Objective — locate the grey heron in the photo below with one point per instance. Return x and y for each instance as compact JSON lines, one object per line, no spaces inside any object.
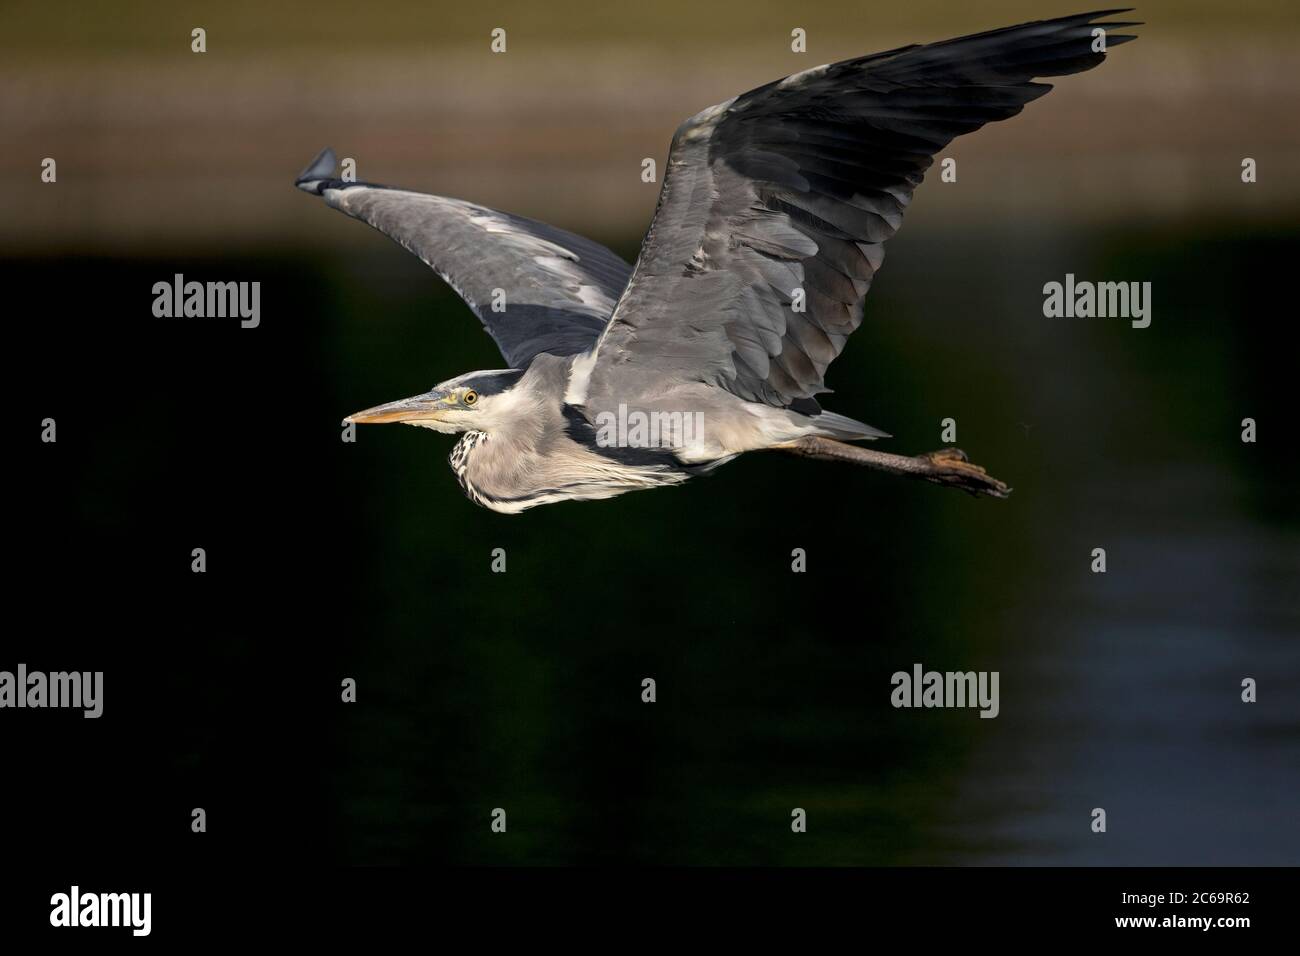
{"x":770,"y":225}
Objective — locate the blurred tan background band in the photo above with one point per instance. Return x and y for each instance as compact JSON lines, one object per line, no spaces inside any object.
{"x":157,"y":143}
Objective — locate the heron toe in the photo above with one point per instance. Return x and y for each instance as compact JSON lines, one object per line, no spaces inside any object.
{"x":952,"y":466}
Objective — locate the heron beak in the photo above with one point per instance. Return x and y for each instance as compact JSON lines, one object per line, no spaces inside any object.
{"x":418,"y":408}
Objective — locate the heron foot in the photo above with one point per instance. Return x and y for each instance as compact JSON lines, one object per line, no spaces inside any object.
{"x":953,"y":467}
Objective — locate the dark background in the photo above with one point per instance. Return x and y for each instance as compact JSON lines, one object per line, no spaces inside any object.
{"x":329,"y":560}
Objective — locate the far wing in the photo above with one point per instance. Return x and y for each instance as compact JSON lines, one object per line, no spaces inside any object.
{"x":559,"y":288}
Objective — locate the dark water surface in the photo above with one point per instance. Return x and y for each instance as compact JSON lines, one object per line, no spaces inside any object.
{"x":476,"y":690}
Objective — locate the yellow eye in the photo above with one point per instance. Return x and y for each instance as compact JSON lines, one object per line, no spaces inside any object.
{"x":470,"y":397}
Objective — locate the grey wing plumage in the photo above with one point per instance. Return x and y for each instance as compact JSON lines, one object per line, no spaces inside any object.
{"x":796,"y":186}
{"x":559,"y":288}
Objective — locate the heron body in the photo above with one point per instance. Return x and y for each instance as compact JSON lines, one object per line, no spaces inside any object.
{"x":769,"y":229}
{"x":528,"y":453}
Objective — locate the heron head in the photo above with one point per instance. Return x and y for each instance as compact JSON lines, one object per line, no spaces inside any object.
{"x":476,"y":401}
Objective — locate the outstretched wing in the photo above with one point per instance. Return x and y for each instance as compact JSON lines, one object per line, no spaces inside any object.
{"x":796,"y":186}
{"x":559,"y":288}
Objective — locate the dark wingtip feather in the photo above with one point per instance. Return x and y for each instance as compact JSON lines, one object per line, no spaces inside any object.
{"x":1112,"y":39}
{"x":322,"y":167}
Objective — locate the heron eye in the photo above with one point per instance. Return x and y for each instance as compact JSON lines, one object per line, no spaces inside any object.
{"x":470,"y":397}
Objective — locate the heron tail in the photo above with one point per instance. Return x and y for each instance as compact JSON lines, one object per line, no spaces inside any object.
{"x":845,"y":428}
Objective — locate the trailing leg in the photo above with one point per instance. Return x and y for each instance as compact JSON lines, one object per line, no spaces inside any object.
{"x":947,"y":466}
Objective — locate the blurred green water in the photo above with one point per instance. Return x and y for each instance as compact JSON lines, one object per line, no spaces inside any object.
{"x":522,"y":690}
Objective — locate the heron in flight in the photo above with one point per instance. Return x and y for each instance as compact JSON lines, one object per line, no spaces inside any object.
{"x":771,"y":223}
